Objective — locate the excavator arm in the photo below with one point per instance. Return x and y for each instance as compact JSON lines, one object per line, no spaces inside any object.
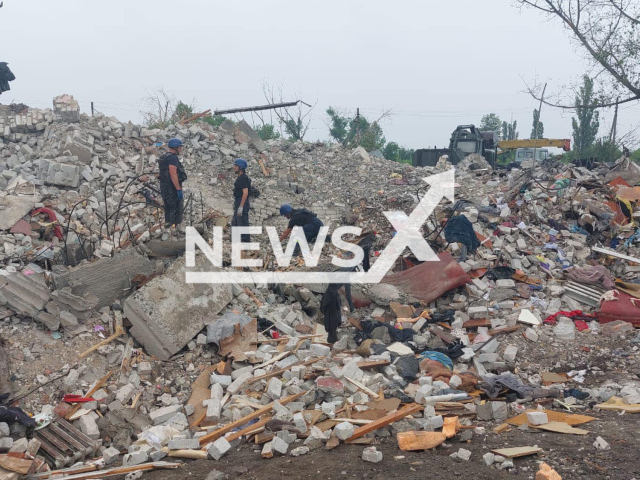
{"x":564,"y":144}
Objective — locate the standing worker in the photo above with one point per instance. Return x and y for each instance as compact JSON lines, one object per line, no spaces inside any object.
{"x":301,"y":217}
{"x":172,"y":176}
{"x":241,"y":191}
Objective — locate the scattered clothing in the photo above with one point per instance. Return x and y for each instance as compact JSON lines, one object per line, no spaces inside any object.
{"x":575,"y":314}
{"x":459,"y":229}
{"x":493,"y":385}
{"x":396,"y":334}
{"x":591,"y":276}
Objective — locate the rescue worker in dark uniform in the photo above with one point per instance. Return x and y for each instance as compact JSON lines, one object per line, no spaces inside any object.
{"x":172,"y":176}
{"x":241,"y":192}
{"x":301,"y":217}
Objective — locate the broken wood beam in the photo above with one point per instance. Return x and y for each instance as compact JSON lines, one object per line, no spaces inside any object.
{"x":216,"y":434}
{"x":384,"y":421}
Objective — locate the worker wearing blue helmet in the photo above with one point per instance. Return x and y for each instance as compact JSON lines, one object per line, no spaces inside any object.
{"x":241,"y":191}
{"x":301,"y":217}
{"x":172,"y":176}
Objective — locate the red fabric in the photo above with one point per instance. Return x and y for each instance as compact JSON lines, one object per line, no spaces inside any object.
{"x":553,"y":319}
{"x":625,"y":308}
{"x":430,"y":280}
{"x":581,"y":325}
{"x":57,"y":230}
{"x":69,"y":398}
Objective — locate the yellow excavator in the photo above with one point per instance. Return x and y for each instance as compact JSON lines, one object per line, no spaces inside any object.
{"x":525,"y":148}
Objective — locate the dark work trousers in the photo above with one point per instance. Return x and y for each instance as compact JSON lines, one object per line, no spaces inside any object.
{"x":241,"y":221}
{"x":311,"y":231}
{"x":331,"y":307}
{"x":172,"y":206}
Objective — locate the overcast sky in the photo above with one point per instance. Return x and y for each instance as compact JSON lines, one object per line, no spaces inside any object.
{"x":437,"y":64}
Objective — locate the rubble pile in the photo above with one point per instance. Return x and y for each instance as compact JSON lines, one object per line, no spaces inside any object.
{"x":527,"y":318}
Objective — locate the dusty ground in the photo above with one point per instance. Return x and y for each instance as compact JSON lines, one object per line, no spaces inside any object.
{"x":572,"y":456}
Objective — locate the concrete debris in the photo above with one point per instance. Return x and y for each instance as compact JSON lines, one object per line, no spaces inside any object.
{"x":86,"y":266}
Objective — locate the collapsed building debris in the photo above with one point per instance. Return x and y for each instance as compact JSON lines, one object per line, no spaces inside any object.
{"x":510,"y":332}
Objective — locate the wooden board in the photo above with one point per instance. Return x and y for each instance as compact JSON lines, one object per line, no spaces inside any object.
{"x":216,"y":434}
{"x":401,"y":311}
{"x":371,"y":414}
{"x":450,"y":427}
{"x":235,"y":345}
{"x":415,"y":441}
{"x":384,"y":421}
{"x":517,"y":451}
{"x":569,"y":418}
{"x":549,"y":378}
{"x":561,"y":427}
{"x":617,"y":404}
{"x":388,"y":404}
{"x":478,"y":322}
{"x":374,"y":364}
{"x":199,"y":392}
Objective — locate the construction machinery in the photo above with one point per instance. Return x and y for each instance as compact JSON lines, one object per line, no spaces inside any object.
{"x":467,"y":139}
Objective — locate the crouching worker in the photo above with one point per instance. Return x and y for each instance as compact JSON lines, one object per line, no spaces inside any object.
{"x":304,"y":218}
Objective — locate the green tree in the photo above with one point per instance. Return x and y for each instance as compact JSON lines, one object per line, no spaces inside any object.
{"x":536,"y":120}
{"x":587,"y":123}
{"x":339,"y":127}
{"x":182,"y":111}
{"x":391,"y":151}
{"x":491,"y":123}
{"x":352,"y":133}
{"x":510,"y":130}
{"x":215,"y":120}
{"x":267,"y":132}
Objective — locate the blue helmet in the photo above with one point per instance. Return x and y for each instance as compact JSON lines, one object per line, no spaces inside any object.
{"x":175,"y":143}
{"x":242,"y":163}
{"x":286,"y":209}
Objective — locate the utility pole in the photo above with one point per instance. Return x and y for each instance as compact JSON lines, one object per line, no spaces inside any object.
{"x":535,"y":127}
{"x":614,"y":126}
{"x":92,"y":109}
{"x":358,"y":126}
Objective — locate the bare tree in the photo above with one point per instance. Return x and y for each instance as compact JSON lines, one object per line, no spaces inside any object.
{"x":293,"y":120}
{"x":162,"y":109}
{"x":608,"y":32}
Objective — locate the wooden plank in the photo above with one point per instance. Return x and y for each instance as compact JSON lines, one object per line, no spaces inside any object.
{"x":93,"y":390}
{"x":119,"y":331}
{"x":374,"y":364}
{"x":613,"y":253}
{"x":216,"y":434}
{"x":249,"y":429}
{"x":561,"y":427}
{"x":384,"y":421}
{"x":503,"y":427}
{"x":478,"y":322}
{"x":496,"y":331}
{"x":517,"y":451}
{"x":332,"y":443}
{"x":363,"y":388}
{"x":389,"y":405}
{"x":199,"y":392}
{"x":617,"y":404}
{"x":280,"y":372}
{"x":415,"y":441}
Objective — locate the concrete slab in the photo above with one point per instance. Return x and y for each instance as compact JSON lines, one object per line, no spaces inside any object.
{"x":13,"y":208}
{"x":167,"y":313}
{"x":109,"y":278}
